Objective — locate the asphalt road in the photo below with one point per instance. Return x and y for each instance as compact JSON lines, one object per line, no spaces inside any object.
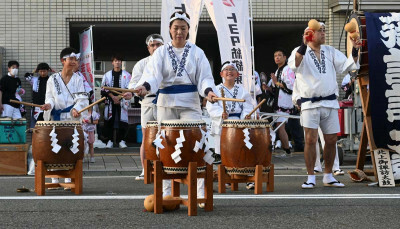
{"x":115,"y":200}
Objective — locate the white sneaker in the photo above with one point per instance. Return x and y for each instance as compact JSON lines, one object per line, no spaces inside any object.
{"x":99,"y":144}
{"x":122,"y":144}
{"x":109,"y":144}
{"x":278,"y":144}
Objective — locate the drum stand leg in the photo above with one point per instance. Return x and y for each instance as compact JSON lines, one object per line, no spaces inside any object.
{"x":39,"y":178}
{"x":270,"y":181}
{"x":258,"y":179}
{"x":221,"y":179}
{"x":148,"y":169}
{"x":209,"y":179}
{"x":158,"y":198}
{"x":192,"y":189}
{"x":77,"y":179}
{"x":190,"y":180}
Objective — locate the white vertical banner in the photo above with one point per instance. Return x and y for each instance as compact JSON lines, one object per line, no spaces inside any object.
{"x":191,"y":7}
{"x":86,"y":58}
{"x":232,"y":22}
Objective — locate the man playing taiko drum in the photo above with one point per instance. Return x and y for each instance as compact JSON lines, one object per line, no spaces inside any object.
{"x":316,"y":66}
{"x":61,"y":104}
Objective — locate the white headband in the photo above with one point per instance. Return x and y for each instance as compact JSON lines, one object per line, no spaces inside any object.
{"x":180,"y":16}
{"x":229,"y":64}
{"x":152,"y":40}
{"x":320,"y":24}
{"x":76,"y":55}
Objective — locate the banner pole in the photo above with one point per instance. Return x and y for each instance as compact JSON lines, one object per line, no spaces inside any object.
{"x":252,"y":54}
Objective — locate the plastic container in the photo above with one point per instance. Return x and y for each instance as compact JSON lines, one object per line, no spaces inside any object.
{"x":12,"y":131}
{"x":139,"y":134}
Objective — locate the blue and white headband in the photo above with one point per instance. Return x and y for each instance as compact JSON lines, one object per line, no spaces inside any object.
{"x":76,"y":55}
{"x":180,"y":16}
{"x":154,"y":39}
{"x":228,"y":63}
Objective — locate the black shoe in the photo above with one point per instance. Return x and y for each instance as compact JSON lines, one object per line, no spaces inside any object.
{"x":217,"y":159}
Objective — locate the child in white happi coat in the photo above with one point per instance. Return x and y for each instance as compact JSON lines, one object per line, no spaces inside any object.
{"x":89,"y":122}
{"x":234,"y":110}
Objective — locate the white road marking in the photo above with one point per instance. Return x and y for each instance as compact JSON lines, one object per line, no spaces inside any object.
{"x":217,"y":197}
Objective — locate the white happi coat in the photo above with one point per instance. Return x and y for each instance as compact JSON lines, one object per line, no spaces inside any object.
{"x":171,"y":66}
{"x":86,"y":84}
{"x":216,"y":109}
{"x":288,"y":77}
{"x":137,"y":73}
{"x":108,"y":81}
{"x":59,"y":97}
{"x":318,"y":78}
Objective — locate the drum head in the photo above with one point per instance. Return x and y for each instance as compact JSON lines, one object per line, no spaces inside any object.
{"x":151,"y":124}
{"x":246,"y":123}
{"x":182,"y":123}
{"x":58,"y":123}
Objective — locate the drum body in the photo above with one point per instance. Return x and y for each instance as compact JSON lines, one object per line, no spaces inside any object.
{"x":192,"y":133}
{"x":149,"y":136}
{"x":235,"y":155}
{"x":41,"y":142}
{"x":360,"y":21}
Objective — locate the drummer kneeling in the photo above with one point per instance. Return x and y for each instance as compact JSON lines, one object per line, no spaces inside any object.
{"x":232,"y":110}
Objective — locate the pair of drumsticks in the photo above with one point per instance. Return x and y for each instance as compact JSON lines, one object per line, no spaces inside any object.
{"x":238,"y":100}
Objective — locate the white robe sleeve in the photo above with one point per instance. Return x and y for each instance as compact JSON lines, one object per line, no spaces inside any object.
{"x":50,"y":92}
{"x":292,"y":61}
{"x":342,"y":63}
{"x":204,"y":75}
{"x":49,"y":98}
{"x":247,"y":105}
{"x":152,"y":73}
{"x":296,"y":94}
{"x":137,"y":73}
{"x":80,"y":103}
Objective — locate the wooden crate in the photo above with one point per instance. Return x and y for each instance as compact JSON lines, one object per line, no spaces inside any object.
{"x":13,"y":159}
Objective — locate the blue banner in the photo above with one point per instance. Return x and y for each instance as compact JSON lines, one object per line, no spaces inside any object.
{"x":383,"y":34}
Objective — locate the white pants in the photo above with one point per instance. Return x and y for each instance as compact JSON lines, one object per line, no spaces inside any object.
{"x":11,"y":112}
{"x":318,"y":166}
{"x":168,"y":113}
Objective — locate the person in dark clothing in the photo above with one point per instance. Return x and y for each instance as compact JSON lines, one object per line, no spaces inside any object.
{"x":116,"y":109}
{"x":10,"y":88}
{"x":38,"y":90}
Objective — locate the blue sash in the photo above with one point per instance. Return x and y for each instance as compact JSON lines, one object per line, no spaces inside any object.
{"x":234,"y":115}
{"x":176,"y":89}
{"x":316,"y":99}
{"x":57,"y":113}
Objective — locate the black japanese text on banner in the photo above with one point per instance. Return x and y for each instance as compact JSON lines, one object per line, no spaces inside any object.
{"x":384,"y":77}
{"x":191,"y":7}
{"x":233,"y":30}
{"x":86,"y":59}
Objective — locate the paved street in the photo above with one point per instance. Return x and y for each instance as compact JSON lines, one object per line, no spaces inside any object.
{"x":113,"y":199}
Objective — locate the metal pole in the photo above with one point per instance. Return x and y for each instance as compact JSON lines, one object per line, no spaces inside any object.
{"x":252,"y":54}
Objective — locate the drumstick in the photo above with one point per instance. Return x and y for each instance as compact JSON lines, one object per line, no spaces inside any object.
{"x":121,"y":89}
{"x":116,"y":92}
{"x":258,"y":106}
{"x":229,"y":99}
{"x":120,"y":96}
{"x":25,"y":103}
{"x":91,"y":105}
{"x":223,"y":101}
